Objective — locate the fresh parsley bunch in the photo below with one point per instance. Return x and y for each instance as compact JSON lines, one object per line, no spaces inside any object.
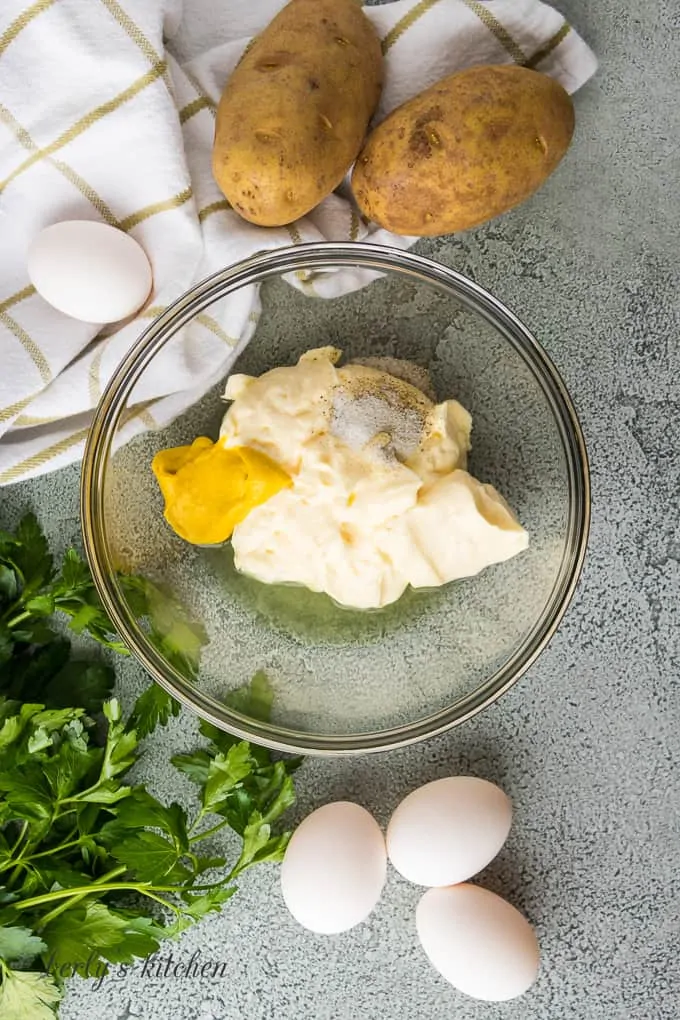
{"x":93,"y":869}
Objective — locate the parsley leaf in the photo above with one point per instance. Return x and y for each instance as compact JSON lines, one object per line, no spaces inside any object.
{"x":31,"y":554}
{"x":27,"y":793}
{"x":26,"y":995}
{"x":254,"y":699}
{"x":179,"y":638}
{"x":76,"y":840}
{"x":82,"y":683}
{"x":224,"y":773}
{"x":143,"y":936}
{"x":6,"y":645}
{"x":80,"y":935}
{"x":195,"y":765}
{"x":152,"y":707}
{"x":29,"y":672}
{"x":73,"y":592}
{"x":19,"y":944}
{"x":148,"y":856}
{"x":140,"y":809}
{"x":9,"y":583}
{"x":69,"y":766}
{"x":198,"y":906}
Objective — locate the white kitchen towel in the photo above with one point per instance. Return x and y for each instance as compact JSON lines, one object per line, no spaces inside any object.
{"x":107,"y":112}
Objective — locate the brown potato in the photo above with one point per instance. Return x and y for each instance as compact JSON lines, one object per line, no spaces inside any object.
{"x":294,"y":113}
{"x":468,"y":148}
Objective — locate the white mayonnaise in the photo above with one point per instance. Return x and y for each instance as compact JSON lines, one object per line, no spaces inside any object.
{"x":380,"y":497}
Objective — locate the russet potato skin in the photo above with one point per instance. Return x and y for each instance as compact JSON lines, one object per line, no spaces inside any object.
{"x":294,"y":113}
{"x":470,"y":147}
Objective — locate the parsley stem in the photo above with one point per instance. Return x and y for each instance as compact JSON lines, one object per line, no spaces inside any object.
{"x":208,"y":832}
{"x":159,"y":899}
{"x":52,"y":851}
{"x":12,"y":862}
{"x":212,"y":885}
{"x":76,"y":899}
{"x":19,"y":619}
{"x":77,"y":798}
{"x":197,"y":820}
{"x":97,"y":888}
{"x":13,"y":850}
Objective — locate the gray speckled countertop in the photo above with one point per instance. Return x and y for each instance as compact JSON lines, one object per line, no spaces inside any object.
{"x":588,"y":743}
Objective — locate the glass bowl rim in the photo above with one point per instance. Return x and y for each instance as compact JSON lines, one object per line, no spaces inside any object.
{"x":256,"y":269}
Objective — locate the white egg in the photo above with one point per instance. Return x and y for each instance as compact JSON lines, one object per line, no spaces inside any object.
{"x":334,"y":868}
{"x":89,"y":270}
{"x":448,"y":830}
{"x":479,"y":942}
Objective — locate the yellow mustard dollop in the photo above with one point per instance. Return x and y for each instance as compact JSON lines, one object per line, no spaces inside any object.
{"x":210,"y":488}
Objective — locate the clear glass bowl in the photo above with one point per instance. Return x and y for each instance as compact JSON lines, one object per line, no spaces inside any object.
{"x":344,"y":681}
